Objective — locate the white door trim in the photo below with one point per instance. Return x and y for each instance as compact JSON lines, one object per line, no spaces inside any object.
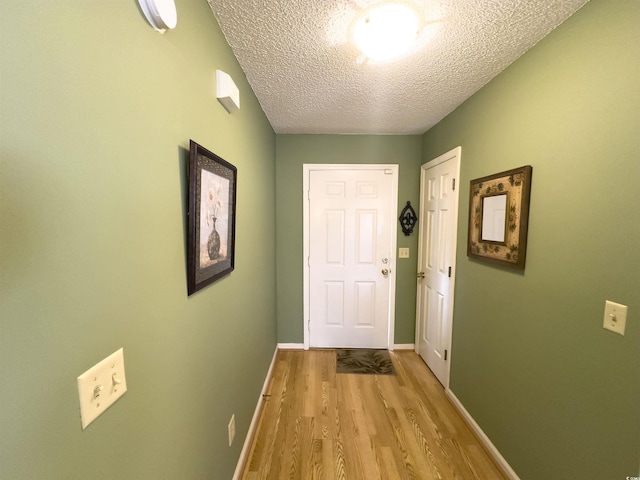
{"x":306,"y":169}
{"x":451,"y":154}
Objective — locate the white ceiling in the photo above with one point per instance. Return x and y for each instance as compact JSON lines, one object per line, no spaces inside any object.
{"x":309,"y":78}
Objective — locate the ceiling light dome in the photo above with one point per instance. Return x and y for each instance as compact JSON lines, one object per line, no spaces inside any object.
{"x":386,"y":32}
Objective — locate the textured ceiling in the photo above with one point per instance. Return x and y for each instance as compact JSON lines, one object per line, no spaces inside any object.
{"x":309,"y":78}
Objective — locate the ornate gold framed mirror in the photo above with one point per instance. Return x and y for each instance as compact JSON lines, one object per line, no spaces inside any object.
{"x":499,"y":217}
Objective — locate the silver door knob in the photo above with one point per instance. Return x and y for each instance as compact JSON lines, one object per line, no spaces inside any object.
{"x":385,"y":272}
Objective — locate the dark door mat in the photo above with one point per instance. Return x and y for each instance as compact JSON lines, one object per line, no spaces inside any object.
{"x":367,"y":361}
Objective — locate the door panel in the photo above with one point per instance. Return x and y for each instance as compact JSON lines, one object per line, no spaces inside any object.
{"x":365,"y":298}
{"x":365,"y":236}
{"x":335,"y":237}
{"x":334,"y":299}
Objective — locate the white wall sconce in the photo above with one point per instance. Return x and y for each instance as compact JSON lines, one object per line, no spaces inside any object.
{"x":227,"y":92}
{"x":161,"y":14}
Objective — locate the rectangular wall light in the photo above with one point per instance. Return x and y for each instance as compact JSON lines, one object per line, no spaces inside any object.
{"x":227,"y":92}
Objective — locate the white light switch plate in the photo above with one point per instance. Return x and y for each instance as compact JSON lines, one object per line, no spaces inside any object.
{"x":615,"y":317}
{"x":100,"y":386}
{"x":232,"y":429}
{"x":403,"y":253}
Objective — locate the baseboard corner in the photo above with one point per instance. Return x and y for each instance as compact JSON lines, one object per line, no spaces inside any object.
{"x":291,"y":346}
{"x":484,"y":439}
{"x":248,"y":440}
{"x":403,"y":346}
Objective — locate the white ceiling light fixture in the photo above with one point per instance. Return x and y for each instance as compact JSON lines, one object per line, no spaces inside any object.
{"x":386,"y":32}
{"x":161,"y":14}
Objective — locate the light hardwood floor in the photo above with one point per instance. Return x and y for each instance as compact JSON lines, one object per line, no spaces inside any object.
{"x":317,"y":424}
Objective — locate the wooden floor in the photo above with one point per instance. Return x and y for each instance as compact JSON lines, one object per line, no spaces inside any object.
{"x":317,"y":424}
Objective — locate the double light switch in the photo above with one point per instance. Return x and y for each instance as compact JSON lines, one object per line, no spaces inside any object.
{"x":100,"y":386}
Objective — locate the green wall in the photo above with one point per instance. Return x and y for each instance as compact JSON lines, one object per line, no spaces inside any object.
{"x":96,"y":114}
{"x":292,"y":151}
{"x":556,"y":393}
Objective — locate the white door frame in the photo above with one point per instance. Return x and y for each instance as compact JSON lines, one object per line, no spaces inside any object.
{"x":306,"y":169}
{"x":451,"y":154}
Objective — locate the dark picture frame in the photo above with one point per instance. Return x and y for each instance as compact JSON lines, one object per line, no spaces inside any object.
{"x":212,"y":218}
{"x":499,"y":217}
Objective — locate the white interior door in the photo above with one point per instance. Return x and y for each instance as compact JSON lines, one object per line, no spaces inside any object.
{"x":351,"y":244}
{"x":436,"y":261}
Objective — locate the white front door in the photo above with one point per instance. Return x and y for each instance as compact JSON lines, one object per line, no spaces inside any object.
{"x":436,"y":261}
{"x":350,"y":255}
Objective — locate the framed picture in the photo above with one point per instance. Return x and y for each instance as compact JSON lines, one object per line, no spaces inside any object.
{"x":499,"y":217}
{"x":212,"y":218}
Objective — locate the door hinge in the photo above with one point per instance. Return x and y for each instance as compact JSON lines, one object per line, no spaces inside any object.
{"x":445,"y":355}
{"x":309,"y":262}
{"x":449,"y":272}
{"x":453,"y":186}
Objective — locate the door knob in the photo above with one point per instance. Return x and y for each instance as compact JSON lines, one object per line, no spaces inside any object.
{"x":420,"y":274}
{"x":385,"y":272}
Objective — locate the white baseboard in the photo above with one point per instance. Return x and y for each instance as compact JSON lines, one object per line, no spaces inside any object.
{"x":300,"y":346}
{"x":404,"y":346}
{"x":491,"y":448}
{"x":291,"y":346}
{"x":246,"y":447}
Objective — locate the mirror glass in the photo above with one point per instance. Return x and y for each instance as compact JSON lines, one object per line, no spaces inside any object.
{"x":494,"y":211}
